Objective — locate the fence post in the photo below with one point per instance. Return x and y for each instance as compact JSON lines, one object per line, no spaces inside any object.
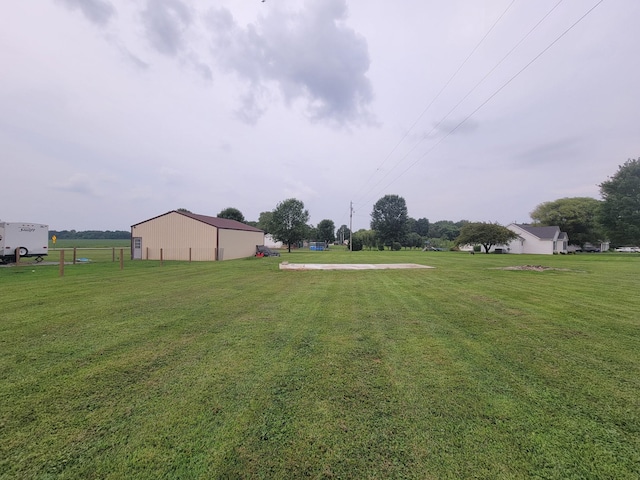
{"x":113,"y":254}
{"x":74,"y":255}
{"x":61,"y":269}
{"x":161,"y":258}
{"x":147,"y":253}
{"x":189,"y":254}
{"x":17,"y":256}
{"x":121,"y":258}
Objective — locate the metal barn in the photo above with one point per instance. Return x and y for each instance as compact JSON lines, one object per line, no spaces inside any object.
{"x":186,"y":236}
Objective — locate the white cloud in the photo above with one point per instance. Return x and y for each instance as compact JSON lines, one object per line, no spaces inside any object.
{"x":310,"y":55}
{"x":99,"y":12}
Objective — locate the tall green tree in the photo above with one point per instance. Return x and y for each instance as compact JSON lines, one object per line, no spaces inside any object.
{"x":343,"y":234}
{"x":389,"y":219}
{"x":620,"y":213}
{"x":578,"y":216}
{"x":326,"y":231}
{"x":264,"y":221}
{"x":485,"y":234}
{"x":422,"y":227}
{"x":231,"y":214}
{"x":289,"y":222}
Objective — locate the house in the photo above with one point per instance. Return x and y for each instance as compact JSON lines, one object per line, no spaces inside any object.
{"x":540,"y":240}
{"x":186,"y":236}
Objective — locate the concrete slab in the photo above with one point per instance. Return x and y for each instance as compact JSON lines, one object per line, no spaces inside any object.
{"x":349,"y":266}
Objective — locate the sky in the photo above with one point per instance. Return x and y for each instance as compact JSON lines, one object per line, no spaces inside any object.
{"x":116,"y":111}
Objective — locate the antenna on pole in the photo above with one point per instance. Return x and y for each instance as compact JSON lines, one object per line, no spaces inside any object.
{"x":350,"y":226}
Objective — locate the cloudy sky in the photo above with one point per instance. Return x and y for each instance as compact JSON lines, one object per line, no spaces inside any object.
{"x":115,"y":111}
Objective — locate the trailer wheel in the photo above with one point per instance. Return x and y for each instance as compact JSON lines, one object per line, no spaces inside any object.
{"x":23,"y":251}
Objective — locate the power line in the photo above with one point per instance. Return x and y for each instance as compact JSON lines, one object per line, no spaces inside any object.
{"x":504,"y":85}
{"x":480,"y":42}
{"x":435,"y":127}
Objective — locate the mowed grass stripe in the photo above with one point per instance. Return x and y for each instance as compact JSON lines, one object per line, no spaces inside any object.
{"x":238,"y":370}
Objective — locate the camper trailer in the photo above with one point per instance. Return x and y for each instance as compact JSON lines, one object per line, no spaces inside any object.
{"x":24,"y":239}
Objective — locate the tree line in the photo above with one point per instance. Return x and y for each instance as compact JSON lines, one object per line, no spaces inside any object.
{"x":90,"y":234}
{"x":615,"y":218}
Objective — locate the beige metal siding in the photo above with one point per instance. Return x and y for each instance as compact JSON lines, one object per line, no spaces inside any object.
{"x":239,"y":243}
{"x":176,"y":234}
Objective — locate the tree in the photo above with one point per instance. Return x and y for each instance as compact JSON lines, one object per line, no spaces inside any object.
{"x":422,"y":227}
{"x":413,"y":240}
{"x":264,"y":221}
{"x":357,"y":244}
{"x":312,"y":233}
{"x":620,"y":213}
{"x":444,"y":229}
{"x":183,"y":210}
{"x":326,"y":231}
{"x":412,"y":224}
{"x":232,"y":214}
{"x":343,"y":234}
{"x":485,"y":234}
{"x":368,"y":237}
{"x":289,"y":222}
{"x":389,"y":219}
{"x":578,"y":216}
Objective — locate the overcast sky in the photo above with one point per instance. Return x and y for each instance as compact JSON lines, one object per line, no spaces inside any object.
{"x":116,"y":111}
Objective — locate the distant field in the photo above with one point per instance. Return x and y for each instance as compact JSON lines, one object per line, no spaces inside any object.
{"x":89,"y":243}
{"x":239,"y":370}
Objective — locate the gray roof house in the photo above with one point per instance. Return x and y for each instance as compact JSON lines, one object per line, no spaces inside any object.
{"x":538,"y":240}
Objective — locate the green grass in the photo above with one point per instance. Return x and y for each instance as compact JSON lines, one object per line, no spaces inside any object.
{"x":239,"y":370}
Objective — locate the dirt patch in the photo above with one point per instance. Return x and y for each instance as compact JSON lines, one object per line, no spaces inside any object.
{"x":348,"y":266}
{"x":535,"y":268}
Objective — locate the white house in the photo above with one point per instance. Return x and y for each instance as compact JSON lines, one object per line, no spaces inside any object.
{"x":540,"y":240}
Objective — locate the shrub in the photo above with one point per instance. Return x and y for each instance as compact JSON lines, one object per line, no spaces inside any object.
{"x":356,"y":244}
{"x":395,"y":246}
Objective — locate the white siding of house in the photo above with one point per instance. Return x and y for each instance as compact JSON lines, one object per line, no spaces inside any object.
{"x":529,"y":243}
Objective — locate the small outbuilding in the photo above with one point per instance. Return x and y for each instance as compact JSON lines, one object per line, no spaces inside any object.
{"x":178,"y":235}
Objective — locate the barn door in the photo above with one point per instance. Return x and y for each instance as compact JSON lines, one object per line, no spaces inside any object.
{"x":137,"y":248}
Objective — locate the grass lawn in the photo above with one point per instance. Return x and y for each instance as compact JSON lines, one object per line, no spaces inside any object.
{"x":85,"y":243}
{"x":239,"y":370}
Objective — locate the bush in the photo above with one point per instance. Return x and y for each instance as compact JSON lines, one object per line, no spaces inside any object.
{"x":395,"y":246}
{"x":381,"y":246}
{"x":356,"y":244}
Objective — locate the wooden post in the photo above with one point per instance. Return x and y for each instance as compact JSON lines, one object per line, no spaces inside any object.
{"x":161,"y":258}
{"x":121,"y":258}
{"x":147,"y":253}
{"x":189,"y":254}
{"x":113,"y":254}
{"x":17,"y":256}
{"x":74,"y":255}
{"x":61,"y":271}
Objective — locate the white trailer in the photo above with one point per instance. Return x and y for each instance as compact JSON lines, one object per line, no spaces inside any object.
{"x":24,"y":239}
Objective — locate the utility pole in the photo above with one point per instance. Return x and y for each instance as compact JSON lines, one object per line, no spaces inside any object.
{"x":351,"y":226}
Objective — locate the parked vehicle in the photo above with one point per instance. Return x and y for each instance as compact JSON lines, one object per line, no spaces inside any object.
{"x":24,"y":239}
{"x":628,"y":249}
